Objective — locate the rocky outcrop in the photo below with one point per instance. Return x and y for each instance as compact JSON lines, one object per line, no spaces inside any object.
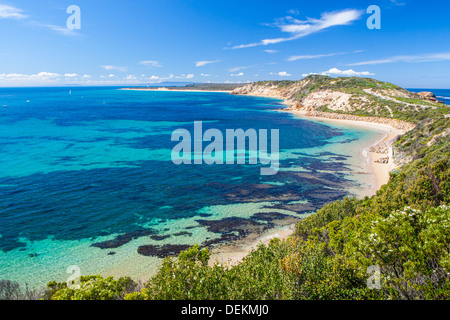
{"x":383,"y":160}
{"x":429,"y":96}
{"x":382,"y":148}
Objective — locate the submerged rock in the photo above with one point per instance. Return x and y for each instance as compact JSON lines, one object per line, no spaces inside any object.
{"x":234,"y":224}
{"x":183,"y":233}
{"x":164,"y":251}
{"x":123,"y":239}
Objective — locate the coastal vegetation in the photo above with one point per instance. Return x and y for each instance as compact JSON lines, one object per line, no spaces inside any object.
{"x":393,"y":245}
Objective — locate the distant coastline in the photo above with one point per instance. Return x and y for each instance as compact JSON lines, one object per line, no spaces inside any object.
{"x":196,"y":87}
{"x":174,"y":89}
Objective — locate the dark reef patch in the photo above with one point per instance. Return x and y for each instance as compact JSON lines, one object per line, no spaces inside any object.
{"x":269,"y":216}
{"x":329,"y":166}
{"x":183,"y":233}
{"x":224,"y":238}
{"x":123,"y":239}
{"x":275,"y":219}
{"x":299,"y":208}
{"x":168,"y":250}
{"x":234,"y":224}
{"x":159,"y":238}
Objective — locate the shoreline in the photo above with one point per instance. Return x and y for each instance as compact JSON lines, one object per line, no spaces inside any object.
{"x":234,"y":253}
{"x":174,"y":90}
{"x":379,"y":170}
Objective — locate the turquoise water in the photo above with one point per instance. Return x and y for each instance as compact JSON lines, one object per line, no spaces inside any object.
{"x":87,"y":179}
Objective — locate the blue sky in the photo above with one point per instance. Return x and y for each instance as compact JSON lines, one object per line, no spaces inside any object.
{"x":150,"y":41}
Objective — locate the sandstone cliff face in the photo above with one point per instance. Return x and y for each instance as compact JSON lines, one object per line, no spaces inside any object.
{"x":342,"y":98}
{"x":333,"y":100}
{"x":337,"y":95}
{"x":275,"y":90}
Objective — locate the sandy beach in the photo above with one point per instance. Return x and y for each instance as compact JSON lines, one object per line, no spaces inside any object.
{"x":379,"y":170}
{"x":232,"y":254}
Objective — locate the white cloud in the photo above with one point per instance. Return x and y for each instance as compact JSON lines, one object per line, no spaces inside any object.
{"x":151,"y":63}
{"x":418,"y":58}
{"x":398,"y":3}
{"x":160,"y":79}
{"x":62,"y":30}
{"x":184,"y":76}
{"x":51,"y":79}
{"x":240,"y":74}
{"x":8,"y":12}
{"x":284,"y":74}
{"x":204,"y":75}
{"x":236,"y":82}
{"x":11,"y":79}
{"x":335,"y":71}
{"x":294,"y":11}
{"x":270,"y":51}
{"x":317,"y":56}
{"x":299,"y":29}
{"x":40,"y":75}
{"x":122,"y":69}
{"x":204,"y":63}
{"x":235,"y":69}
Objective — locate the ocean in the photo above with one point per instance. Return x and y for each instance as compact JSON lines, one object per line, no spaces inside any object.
{"x":87,"y":180}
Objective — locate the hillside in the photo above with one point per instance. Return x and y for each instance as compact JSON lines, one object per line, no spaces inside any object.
{"x":363,"y":99}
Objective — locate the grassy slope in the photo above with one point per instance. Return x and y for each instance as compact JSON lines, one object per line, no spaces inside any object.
{"x":363,"y":103}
